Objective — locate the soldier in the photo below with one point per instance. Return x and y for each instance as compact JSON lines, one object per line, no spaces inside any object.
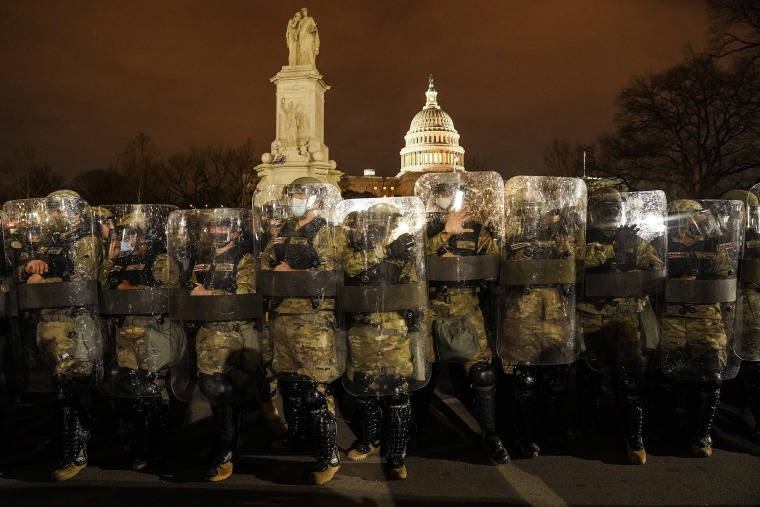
{"x":621,"y":268}
{"x":749,"y":275}
{"x":136,"y":267}
{"x":700,"y":293}
{"x":545,"y":226}
{"x":60,"y":319}
{"x":11,"y":382}
{"x":299,"y":269}
{"x":462,"y":254}
{"x":219,"y":314}
{"x":385,"y":324}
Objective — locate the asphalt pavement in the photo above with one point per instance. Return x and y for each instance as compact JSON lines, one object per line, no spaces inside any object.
{"x":447,"y":466}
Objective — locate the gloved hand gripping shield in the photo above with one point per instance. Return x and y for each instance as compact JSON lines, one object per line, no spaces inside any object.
{"x":214,"y":304}
{"x":11,"y":359}
{"x":56,"y":270}
{"x":465,"y":226}
{"x":624,"y":277}
{"x":700,"y":324}
{"x":748,"y":348}
{"x":383,"y":295}
{"x":300,"y":269}
{"x":545,"y":222}
{"x":134,"y":298}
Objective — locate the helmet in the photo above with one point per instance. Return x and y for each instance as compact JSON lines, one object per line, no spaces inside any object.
{"x":606,"y":208}
{"x":684,"y":216}
{"x":683,"y":206}
{"x":223,"y":225}
{"x":744,"y":196}
{"x":63,"y":194}
{"x":306,"y":186}
{"x":101,"y":214}
{"x":305,"y":180}
{"x":70,"y":206}
{"x":383,"y":211}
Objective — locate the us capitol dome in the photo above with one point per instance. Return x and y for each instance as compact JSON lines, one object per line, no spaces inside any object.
{"x":432,"y":142}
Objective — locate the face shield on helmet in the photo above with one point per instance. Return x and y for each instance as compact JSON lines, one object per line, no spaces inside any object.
{"x":300,"y":199}
{"x":687,"y":220}
{"x":449,"y":197}
{"x":606,"y":209}
{"x":131,"y":233}
{"x":223,"y":232}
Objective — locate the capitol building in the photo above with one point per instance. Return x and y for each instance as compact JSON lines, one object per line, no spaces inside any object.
{"x":432,"y":145}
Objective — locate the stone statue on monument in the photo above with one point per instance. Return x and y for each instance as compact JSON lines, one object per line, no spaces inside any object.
{"x":302,"y":39}
{"x":292,"y":114}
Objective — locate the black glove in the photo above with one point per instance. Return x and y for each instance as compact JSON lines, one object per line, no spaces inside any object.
{"x":626,"y":239}
{"x":401,"y":247}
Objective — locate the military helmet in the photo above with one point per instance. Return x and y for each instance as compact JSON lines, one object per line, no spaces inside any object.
{"x":605,"y":194}
{"x":683,"y":206}
{"x":383,"y":211}
{"x":305,"y":180}
{"x":63,"y":194}
{"x":745,"y":196}
{"x":101,"y":213}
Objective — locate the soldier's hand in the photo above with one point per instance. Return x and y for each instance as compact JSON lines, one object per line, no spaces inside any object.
{"x":455,"y":221}
{"x":401,"y":247}
{"x":199,"y":290}
{"x":125,"y":285}
{"x":283,"y":266}
{"x":36,"y":267}
{"x":35,"y":279}
{"x":626,"y":238}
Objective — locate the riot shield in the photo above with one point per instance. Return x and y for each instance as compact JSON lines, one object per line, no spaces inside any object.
{"x":465,"y":222}
{"x":11,"y":372}
{"x":700,"y":322}
{"x":300,"y":270}
{"x":214,"y":304}
{"x":545,"y":222}
{"x":748,"y":348}
{"x":624,"y":277}
{"x":383,"y":295}
{"x":133,"y":297}
{"x":56,"y":270}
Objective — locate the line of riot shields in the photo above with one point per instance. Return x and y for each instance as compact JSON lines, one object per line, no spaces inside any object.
{"x":307,"y":286}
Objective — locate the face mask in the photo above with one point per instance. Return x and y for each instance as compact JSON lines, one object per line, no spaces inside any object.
{"x":126,"y":247}
{"x":298,"y":207}
{"x":220,"y":240}
{"x":443,"y":202}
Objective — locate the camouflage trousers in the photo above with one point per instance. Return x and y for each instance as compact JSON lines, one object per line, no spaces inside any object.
{"x":229,"y":348}
{"x":613,"y":338}
{"x":456,"y":308}
{"x":698,"y":340}
{"x":379,"y":349}
{"x":69,"y":345}
{"x":304,"y":345}
{"x":143,"y":343}
{"x":538,"y":328}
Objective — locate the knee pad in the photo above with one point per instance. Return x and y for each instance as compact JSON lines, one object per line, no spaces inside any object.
{"x":399,"y":399}
{"x":482,"y":375}
{"x":215,"y":387}
{"x":290,"y":389}
{"x":556,"y":377}
{"x":525,"y":378}
{"x":315,"y":399}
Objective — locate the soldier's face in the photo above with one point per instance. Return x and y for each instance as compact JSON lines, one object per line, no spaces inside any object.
{"x":222,"y":235}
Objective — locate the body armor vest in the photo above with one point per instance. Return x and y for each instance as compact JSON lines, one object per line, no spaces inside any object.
{"x":621,"y":261}
{"x":297,"y":250}
{"x":136,"y":269}
{"x":695,"y":260}
{"x":219,"y":272}
{"x":56,"y":255}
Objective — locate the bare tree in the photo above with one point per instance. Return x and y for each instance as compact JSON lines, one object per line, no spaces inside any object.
{"x":26,"y":176}
{"x":690,"y":129}
{"x":562,"y":160}
{"x":101,"y":186}
{"x":138,"y":163}
{"x":734,"y":28}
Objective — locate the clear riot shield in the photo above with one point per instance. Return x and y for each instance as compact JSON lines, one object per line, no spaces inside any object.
{"x":545,"y":222}
{"x":56,"y":270}
{"x":133,"y":298}
{"x":214,"y":304}
{"x":383,"y":295}
{"x":465,"y":225}
{"x":748,"y":348}
{"x":300,"y":270}
{"x":700,"y":321}
{"x":11,"y":372}
{"x":624,"y":277}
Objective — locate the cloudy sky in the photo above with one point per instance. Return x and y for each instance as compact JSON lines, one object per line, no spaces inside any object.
{"x":79,"y":79}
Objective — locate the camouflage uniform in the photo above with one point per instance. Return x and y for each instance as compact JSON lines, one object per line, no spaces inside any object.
{"x":224,"y":348}
{"x":67,"y":339}
{"x":694,"y":336}
{"x":303,"y":334}
{"x":10,"y":353}
{"x":612,"y":326}
{"x":142,"y":347}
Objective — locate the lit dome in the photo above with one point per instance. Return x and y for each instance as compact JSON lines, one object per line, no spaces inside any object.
{"x":432,"y":142}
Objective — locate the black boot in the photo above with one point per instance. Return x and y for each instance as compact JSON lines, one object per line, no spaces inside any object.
{"x":588,"y":387}
{"x":324,"y":432}
{"x":524,"y":397}
{"x":72,"y":436}
{"x":420,"y":400}
{"x":369,"y":416}
{"x":151,"y":426}
{"x":707,"y":400}
{"x":632,"y":400}
{"x":296,"y":417}
{"x":399,"y":418}
{"x":483,"y":379}
{"x":753,"y":396}
{"x":553,"y":395}
{"x":227,"y":418}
